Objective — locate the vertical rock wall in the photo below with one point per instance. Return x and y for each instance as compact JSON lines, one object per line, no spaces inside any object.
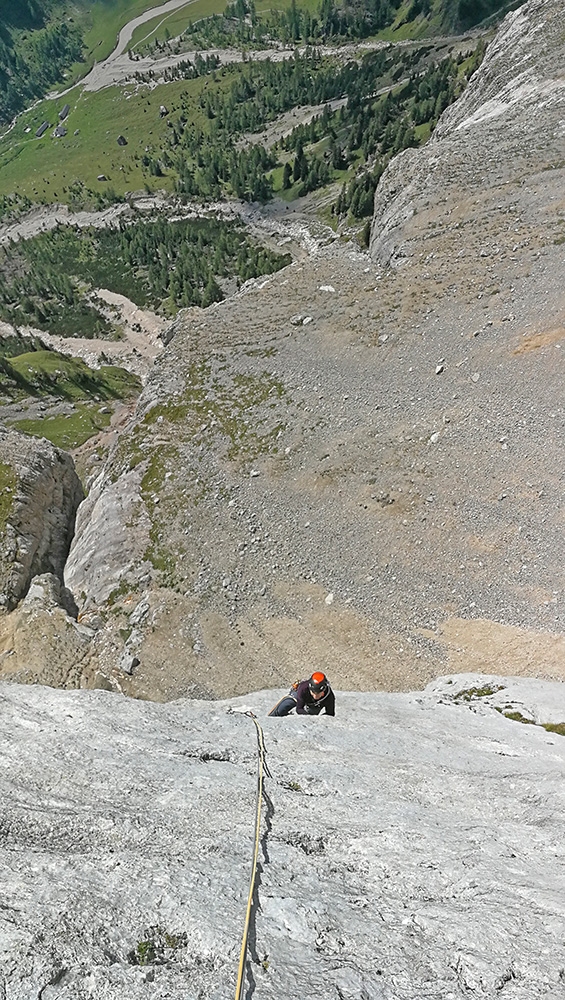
{"x":41,"y":494}
{"x":506,"y":126}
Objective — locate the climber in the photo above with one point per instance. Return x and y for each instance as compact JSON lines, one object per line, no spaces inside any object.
{"x":308,"y":697}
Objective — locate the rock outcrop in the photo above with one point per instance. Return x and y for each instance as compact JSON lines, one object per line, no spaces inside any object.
{"x":42,"y":643}
{"x":41,"y":493}
{"x":105,"y":550}
{"x":411,"y":847}
{"x":490,"y":148}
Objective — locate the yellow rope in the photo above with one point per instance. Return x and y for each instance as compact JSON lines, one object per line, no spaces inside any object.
{"x":261,"y":770}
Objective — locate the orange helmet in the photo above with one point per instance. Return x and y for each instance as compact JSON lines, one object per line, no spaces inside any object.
{"x":318,"y":682}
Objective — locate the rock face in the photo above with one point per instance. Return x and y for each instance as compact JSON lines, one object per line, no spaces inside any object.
{"x":104,"y":548}
{"x":411,"y":847}
{"x":42,"y":493}
{"x":493,"y":144}
{"x":42,"y":643}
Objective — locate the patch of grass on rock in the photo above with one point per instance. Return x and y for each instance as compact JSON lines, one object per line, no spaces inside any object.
{"x":554,"y":727}
{"x":483,"y":692}
{"x":518,"y":717}
{"x":67,"y":431}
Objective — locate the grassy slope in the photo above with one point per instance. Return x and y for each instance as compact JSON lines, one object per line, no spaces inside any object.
{"x":71,"y":378}
{"x":99,"y":20}
{"x":41,"y":168}
{"x":446,"y":17}
{"x":70,"y":430}
{"x":67,"y":431}
{"x":102,"y":22}
{"x":50,"y":375}
{"x":104,"y":19}
{"x":99,"y":23}
{"x":159,"y":29}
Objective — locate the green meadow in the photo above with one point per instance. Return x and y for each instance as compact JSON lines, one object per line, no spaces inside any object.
{"x":43,"y":373}
{"x":43,"y":169}
{"x":67,"y":431}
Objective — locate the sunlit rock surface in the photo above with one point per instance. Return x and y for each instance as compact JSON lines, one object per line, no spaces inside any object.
{"x":40,"y":495}
{"x":491,"y":149}
{"x":412,"y":847}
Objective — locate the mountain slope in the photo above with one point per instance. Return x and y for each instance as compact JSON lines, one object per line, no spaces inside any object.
{"x":460,"y":15}
{"x":493,"y":162}
{"x":34,"y":52}
{"x":376,"y":491}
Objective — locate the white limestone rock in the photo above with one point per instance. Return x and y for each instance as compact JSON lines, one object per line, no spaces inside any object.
{"x":411,"y":847}
{"x":513,"y":105}
{"x":112,"y":534}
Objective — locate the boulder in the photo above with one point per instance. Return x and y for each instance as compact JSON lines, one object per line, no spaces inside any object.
{"x":41,"y":642}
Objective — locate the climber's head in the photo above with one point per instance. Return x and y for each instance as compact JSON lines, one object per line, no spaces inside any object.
{"x":318,"y":685}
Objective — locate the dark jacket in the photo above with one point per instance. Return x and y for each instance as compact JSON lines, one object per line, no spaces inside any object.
{"x":307,"y":705}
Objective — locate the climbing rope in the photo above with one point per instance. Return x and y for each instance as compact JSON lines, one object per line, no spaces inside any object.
{"x":262,"y":771}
